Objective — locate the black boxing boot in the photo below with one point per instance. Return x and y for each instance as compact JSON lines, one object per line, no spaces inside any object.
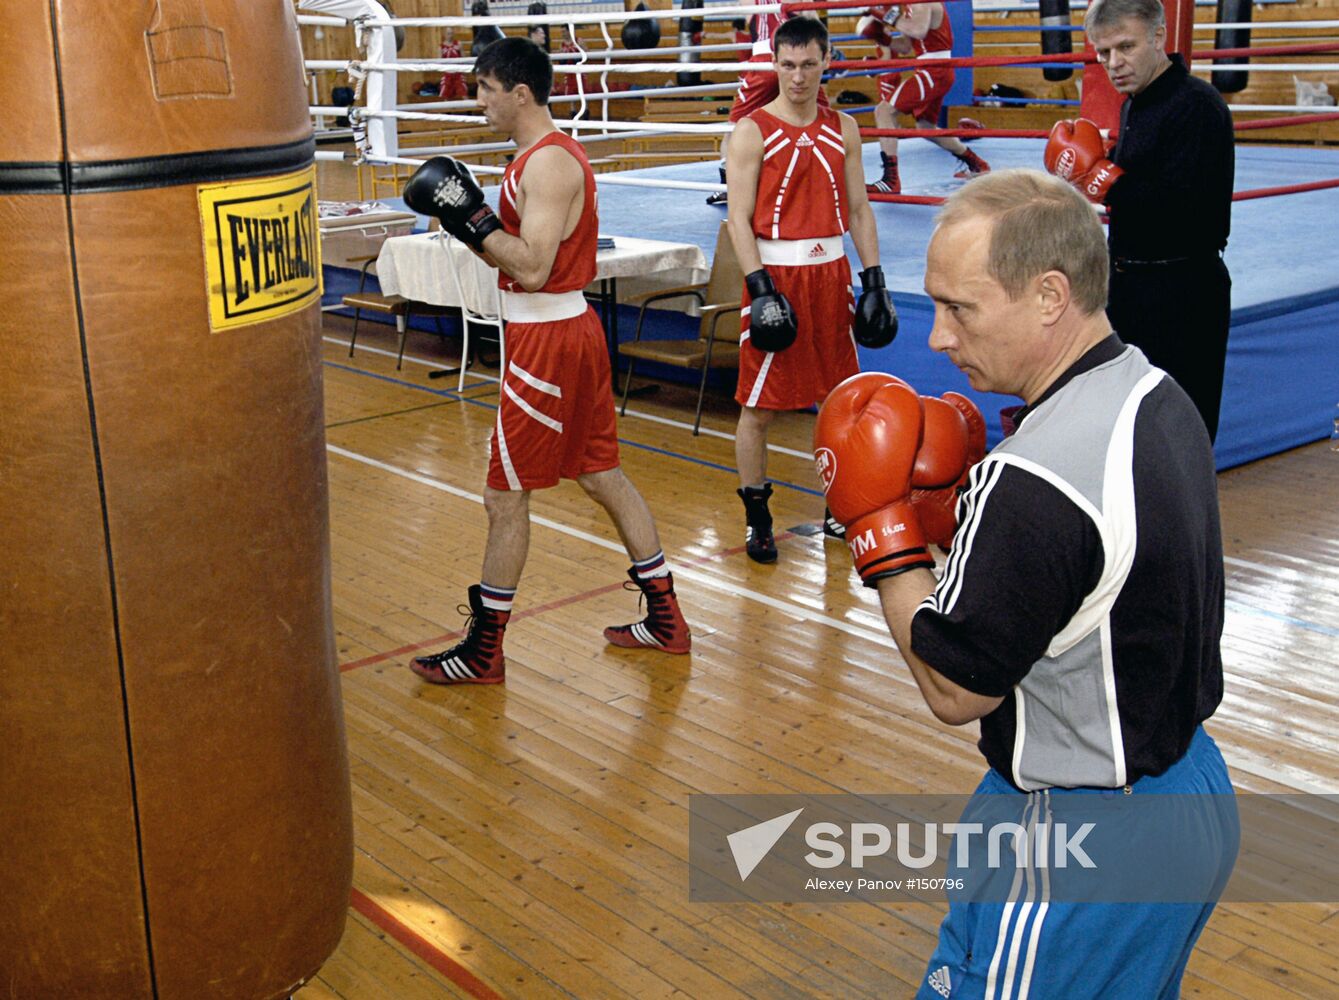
{"x":758,"y":540}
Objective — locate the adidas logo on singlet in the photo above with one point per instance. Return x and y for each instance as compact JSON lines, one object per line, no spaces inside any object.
{"x":804,"y":140}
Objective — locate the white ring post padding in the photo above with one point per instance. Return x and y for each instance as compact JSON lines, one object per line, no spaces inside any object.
{"x":382,"y":137}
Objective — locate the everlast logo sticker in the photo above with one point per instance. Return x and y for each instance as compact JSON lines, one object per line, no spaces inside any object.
{"x":262,"y":248}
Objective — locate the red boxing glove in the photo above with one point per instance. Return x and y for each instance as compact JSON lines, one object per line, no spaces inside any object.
{"x":954,"y":440}
{"x":875,"y":30}
{"x":865,"y":444}
{"x":1076,"y":152}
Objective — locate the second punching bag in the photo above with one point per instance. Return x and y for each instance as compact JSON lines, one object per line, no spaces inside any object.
{"x":1232,"y":12}
{"x":1057,"y":41}
{"x":690,"y":33}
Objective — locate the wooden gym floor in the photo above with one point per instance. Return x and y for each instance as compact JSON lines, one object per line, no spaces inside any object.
{"x":529,"y":839}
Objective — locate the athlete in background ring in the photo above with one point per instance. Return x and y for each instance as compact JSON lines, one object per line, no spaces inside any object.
{"x":926,"y":34}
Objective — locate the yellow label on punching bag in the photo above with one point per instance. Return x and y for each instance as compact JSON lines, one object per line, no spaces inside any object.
{"x":262,"y":248}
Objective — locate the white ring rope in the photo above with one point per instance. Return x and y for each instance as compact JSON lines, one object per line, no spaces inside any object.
{"x":661,"y":67}
{"x":1308,"y":109}
{"x":466,"y":63}
{"x":706,"y":89}
{"x":621,"y":179}
{"x":587,"y":17}
{"x":1267,"y":24}
{"x":746,"y":67}
{"x":1201,"y":26}
{"x":499,"y":147}
{"x":1256,"y":67}
{"x":577,"y":123}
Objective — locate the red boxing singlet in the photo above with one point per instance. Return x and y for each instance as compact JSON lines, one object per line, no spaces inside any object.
{"x":939,"y":39}
{"x":574,"y":266}
{"x":802,"y":180}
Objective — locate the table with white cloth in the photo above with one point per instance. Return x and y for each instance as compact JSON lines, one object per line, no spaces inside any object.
{"x":412,"y":267}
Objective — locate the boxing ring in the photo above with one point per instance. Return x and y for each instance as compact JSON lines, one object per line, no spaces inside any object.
{"x":1282,"y":379}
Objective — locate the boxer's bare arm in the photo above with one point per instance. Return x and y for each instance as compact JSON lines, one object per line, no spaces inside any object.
{"x":549,"y":202}
{"x":864,"y":232}
{"x":741,"y":172}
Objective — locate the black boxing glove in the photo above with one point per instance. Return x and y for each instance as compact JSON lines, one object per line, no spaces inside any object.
{"x":772,"y":323}
{"x":875,"y":316}
{"x":445,"y":188}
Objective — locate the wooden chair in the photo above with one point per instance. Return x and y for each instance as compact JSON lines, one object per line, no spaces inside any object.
{"x":717,"y":342}
{"x":389,"y":305}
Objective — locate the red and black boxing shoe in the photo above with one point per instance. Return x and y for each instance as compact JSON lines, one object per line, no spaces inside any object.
{"x":476,"y":659}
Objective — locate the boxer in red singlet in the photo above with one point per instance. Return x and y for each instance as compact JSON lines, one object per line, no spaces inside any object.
{"x":756,"y":89}
{"x":795,"y":188}
{"x":926,"y":34}
{"x":452,"y":85}
{"x":556,"y":413}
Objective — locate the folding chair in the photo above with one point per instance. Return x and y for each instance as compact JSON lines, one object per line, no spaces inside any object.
{"x":717,"y":343}
{"x":480,"y":301}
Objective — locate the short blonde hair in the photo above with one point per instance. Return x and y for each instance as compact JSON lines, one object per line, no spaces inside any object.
{"x":1040,"y":224}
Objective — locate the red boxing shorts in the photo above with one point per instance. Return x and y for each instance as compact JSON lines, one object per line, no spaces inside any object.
{"x":759,"y":89}
{"x":555,"y":416}
{"x":919,"y":93}
{"x":824,"y":350}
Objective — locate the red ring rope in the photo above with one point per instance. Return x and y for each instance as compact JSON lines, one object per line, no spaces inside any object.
{"x":1027,"y":133}
{"x":966,"y":61}
{"x":917,"y":199}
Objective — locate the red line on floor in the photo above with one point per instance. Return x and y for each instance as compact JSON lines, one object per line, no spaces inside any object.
{"x":373,"y":911}
{"x":540,"y":609}
{"x":449,"y":636}
{"x":421,"y":946}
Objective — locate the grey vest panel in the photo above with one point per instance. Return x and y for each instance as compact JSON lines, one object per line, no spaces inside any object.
{"x":1081,"y":441}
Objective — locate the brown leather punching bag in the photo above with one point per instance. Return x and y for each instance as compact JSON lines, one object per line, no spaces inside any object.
{"x":174,"y":796}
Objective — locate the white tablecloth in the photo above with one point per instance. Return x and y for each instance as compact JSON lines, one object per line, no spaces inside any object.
{"x":413,"y":266}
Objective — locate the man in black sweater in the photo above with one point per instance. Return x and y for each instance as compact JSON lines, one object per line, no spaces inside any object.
{"x":1168,"y":188}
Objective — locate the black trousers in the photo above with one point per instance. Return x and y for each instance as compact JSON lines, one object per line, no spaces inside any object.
{"x":1177,"y":313}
